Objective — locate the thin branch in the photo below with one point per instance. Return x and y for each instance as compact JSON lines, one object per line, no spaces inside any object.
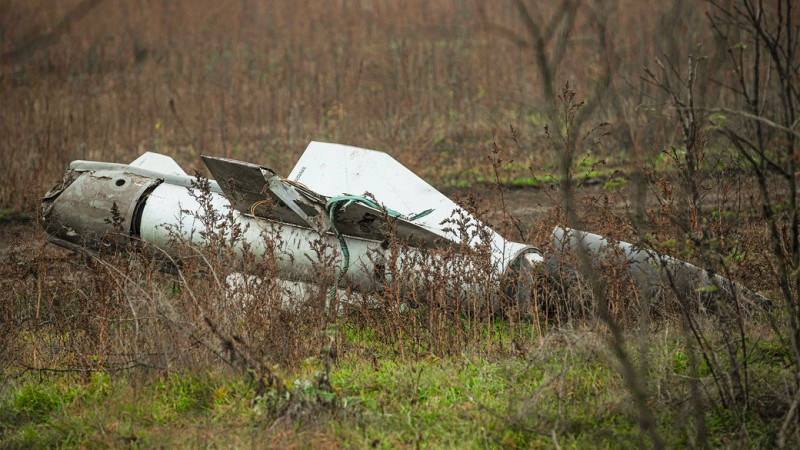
{"x":750,"y":116}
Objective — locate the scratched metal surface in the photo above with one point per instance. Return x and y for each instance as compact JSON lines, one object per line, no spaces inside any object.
{"x":245,"y":184}
{"x":79,"y":209}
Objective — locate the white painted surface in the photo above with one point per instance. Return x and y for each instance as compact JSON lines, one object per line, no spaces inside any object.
{"x":158,"y":163}
{"x":162,"y":218}
{"x":335,"y":169}
{"x":295,"y":256}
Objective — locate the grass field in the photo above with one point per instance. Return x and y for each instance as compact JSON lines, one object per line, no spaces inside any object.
{"x":564,"y":391}
{"x":671,"y":124}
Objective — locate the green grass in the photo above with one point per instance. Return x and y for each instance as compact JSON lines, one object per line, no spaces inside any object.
{"x":571,"y":391}
{"x":13,"y":215}
{"x":515,"y":174}
{"x":473,"y":178}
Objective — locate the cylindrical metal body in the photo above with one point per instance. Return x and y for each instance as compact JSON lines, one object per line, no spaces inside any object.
{"x":165,"y":217}
{"x":96,"y":209}
{"x":100,"y":205}
{"x":651,"y":270}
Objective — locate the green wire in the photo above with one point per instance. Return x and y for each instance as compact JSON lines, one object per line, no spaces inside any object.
{"x":334,"y":205}
{"x":350,"y":199}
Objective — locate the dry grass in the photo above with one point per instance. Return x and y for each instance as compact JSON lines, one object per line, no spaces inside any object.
{"x":441,"y":86}
{"x":430,"y":82}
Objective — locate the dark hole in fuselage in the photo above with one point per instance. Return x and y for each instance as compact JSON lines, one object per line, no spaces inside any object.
{"x":120,"y":182}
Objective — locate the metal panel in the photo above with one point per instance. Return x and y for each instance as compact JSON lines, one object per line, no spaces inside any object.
{"x":334,"y":169}
{"x":246,"y":184}
{"x":652,"y":270}
{"x":164,"y":219}
{"x":79,"y":210}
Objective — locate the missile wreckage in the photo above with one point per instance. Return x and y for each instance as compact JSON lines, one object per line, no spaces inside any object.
{"x":350,"y":198}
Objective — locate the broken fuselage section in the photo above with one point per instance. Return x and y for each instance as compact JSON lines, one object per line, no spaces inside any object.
{"x":350,"y":198}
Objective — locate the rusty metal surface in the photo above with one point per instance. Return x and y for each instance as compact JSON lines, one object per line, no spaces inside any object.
{"x":79,"y":209}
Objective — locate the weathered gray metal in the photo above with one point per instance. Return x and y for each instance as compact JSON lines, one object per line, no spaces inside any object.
{"x":159,"y":204}
{"x":244,"y":185}
{"x":98,"y":205}
{"x":96,"y":209}
{"x":653,"y":271}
